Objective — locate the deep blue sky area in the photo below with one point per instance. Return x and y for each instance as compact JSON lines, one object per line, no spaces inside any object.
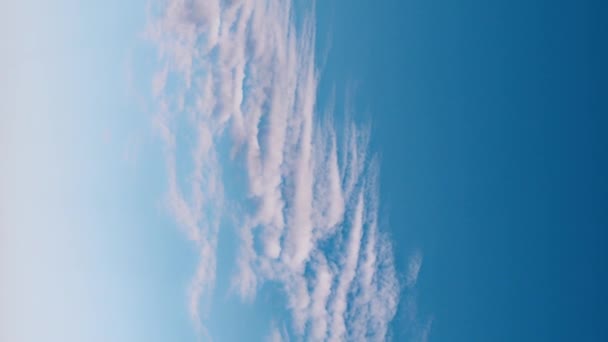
{"x":490,"y":118}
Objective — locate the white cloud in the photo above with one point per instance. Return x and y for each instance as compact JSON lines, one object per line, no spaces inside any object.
{"x":238,"y":79}
{"x":426,"y":331}
{"x":347,"y":274}
{"x":413,"y":268}
{"x":319,"y":317}
{"x":277,"y":334}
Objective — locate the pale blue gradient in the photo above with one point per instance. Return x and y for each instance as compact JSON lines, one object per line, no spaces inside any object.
{"x":83,"y":248}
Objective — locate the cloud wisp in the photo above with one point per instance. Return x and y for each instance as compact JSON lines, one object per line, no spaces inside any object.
{"x":239,"y":78}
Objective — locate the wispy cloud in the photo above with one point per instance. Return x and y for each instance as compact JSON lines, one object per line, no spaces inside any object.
{"x":413,"y":268}
{"x":418,"y":328}
{"x":239,"y":78}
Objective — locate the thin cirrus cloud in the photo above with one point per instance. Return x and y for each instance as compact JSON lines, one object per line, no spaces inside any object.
{"x":244,"y":72}
{"x":413,"y":268}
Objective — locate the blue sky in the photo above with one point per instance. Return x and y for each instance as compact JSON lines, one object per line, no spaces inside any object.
{"x":278,"y":171}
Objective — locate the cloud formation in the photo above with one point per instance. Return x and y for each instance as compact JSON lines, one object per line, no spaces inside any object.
{"x":239,"y":78}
